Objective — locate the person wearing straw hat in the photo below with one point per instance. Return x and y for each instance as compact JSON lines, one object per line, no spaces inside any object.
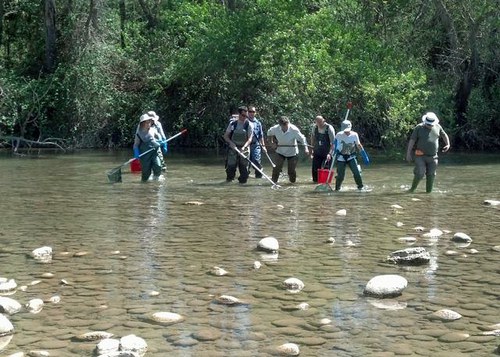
{"x":322,"y":141}
{"x":423,"y":148}
{"x":348,"y":144}
{"x":257,"y":145}
{"x":238,"y":136}
{"x":147,"y":138}
{"x":284,"y":136}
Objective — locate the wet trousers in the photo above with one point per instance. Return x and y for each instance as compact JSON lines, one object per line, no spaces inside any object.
{"x":256,"y":158}
{"x":150,"y":163}
{"x":234,"y":160}
{"x":353,"y":165}
{"x":292,"y":165}
{"x":317,"y":163}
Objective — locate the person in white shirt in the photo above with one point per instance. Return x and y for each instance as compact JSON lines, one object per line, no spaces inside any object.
{"x":284,"y":138}
{"x":348,"y":145}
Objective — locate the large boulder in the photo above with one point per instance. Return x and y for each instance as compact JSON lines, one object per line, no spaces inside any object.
{"x":383,"y":286}
{"x":410,"y":256}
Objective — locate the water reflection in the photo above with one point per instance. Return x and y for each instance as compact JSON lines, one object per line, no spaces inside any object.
{"x":168,"y":246}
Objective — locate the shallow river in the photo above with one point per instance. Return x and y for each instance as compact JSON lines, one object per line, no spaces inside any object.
{"x":124,"y":251}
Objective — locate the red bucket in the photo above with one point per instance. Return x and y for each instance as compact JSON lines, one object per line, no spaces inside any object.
{"x":135,"y":166}
{"x":323,"y":176}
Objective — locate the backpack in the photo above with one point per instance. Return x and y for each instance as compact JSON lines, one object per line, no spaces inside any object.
{"x":234,"y":123}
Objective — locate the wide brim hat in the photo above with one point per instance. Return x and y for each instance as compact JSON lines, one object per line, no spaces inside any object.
{"x":345,"y":126}
{"x":153,"y":115}
{"x":145,"y":117}
{"x":430,"y":118}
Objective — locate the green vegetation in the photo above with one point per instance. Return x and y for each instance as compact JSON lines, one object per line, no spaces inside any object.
{"x":85,"y":70}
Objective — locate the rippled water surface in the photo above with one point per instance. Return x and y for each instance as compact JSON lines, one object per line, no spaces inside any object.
{"x":113,"y":245}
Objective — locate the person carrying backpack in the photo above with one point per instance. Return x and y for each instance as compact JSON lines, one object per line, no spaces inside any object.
{"x":238,"y":136}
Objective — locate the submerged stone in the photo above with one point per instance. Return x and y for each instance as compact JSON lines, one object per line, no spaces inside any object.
{"x":94,"y":336}
{"x":447,"y":315}
{"x":288,"y":349}
{"x":228,"y":300}
{"x":218,"y":271}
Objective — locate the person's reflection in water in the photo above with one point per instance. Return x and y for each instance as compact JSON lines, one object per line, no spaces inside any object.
{"x":153,"y":233}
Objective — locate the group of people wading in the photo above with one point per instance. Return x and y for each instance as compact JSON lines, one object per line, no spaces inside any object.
{"x":246,"y":144}
{"x":245,"y":138}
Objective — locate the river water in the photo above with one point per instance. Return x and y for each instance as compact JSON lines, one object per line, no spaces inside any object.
{"x":124,"y":251}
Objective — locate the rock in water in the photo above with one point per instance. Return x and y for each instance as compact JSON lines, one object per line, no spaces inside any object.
{"x":43,"y":254}
{"x":410,"y":256}
{"x":35,"y":305}
{"x":269,"y":244}
{"x":288,"y":349}
{"x":134,"y":344}
{"x":218,"y":271}
{"x":7,"y":286}
{"x":460,"y":237}
{"x":293,"y":284}
{"x":341,"y":212}
{"x":228,"y":300}
{"x":447,"y":315}
{"x":383,"y":286}
{"x":9,"y":306}
{"x":108,"y":345}
{"x":166,"y":318}
{"x":94,"y":336}
{"x":6,"y":327}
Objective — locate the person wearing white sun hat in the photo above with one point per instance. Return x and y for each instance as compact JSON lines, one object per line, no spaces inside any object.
{"x":347,"y":146}
{"x":146,"y":144}
{"x":423,"y":148}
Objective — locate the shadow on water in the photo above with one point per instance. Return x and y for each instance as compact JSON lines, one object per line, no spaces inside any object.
{"x":122,"y":252}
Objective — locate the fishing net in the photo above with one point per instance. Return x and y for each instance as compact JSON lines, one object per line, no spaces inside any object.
{"x":323,"y":188}
{"x":115,"y":175}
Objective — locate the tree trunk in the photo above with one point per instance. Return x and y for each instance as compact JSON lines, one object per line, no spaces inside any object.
{"x":123,"y":16}
{"x":50,"y":36}
{"x":148,"y":14}
{"x":2,"y":13}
